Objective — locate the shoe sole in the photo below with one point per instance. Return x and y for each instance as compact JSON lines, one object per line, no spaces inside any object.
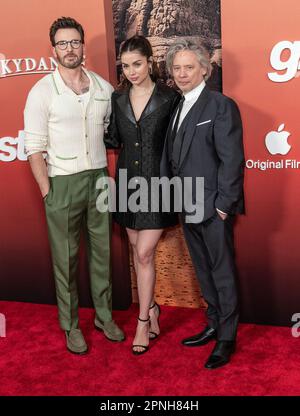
{"x":78,"y":353}
{"x":110,"y":339}
{"x":218,"y":366}
{"x":140,"y":352}
{"x":198,"y":345}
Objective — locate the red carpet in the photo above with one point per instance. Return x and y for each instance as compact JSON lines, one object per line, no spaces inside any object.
{"x":34,"y":361}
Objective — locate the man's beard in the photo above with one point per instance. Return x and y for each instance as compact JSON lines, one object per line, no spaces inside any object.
{"x":71,"y":65}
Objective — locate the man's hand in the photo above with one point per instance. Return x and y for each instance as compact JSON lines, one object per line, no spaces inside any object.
{"x":222,"y":214}
{"x":39,"y":170}
{"x":45,"y":193}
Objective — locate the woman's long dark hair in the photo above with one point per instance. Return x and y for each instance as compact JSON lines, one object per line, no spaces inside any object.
{"x":142,"y":45}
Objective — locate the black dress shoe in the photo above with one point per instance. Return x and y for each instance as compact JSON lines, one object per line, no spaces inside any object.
{"x":200,"y":339}
{"x":221,"y":354}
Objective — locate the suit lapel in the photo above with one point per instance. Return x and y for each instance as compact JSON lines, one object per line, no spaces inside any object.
{"x":156,"y":100}
{"x":125,"y":106}
{"x":191,"y":120}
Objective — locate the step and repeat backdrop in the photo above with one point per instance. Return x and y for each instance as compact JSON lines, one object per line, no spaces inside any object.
{"x":258,"y":66}
{"x":25,"y":57}
{"x":261,"y":51}
{"x":260,"y":70}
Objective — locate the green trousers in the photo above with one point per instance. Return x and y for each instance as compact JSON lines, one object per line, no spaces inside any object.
{"x":70,"y":207}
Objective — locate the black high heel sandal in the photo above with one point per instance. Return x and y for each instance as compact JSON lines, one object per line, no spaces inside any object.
{"x":154,"y":335}
{"x":145,"y":347}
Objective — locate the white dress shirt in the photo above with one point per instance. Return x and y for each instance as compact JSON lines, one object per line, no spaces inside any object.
{"x":189,"y":100}
{"x":67,"y":126}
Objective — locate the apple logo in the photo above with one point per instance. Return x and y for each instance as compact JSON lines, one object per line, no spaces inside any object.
{"x":276,"y":141}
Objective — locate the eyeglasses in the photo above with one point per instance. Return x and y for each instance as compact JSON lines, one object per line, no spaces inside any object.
{"x":63,"y":44}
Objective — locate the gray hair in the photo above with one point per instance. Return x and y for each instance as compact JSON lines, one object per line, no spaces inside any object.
{"x":188,"y":45}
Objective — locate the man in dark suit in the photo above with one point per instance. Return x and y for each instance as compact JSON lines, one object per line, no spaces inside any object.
{"x":204,"y":139}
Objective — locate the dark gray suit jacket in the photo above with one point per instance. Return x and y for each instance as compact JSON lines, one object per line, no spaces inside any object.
{"x":212,"y":148}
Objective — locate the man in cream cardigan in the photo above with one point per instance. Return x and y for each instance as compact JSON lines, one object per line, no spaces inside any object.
{"x":66,"y":115}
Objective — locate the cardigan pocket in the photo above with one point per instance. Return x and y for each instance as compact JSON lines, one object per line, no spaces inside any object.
{"x":100,"y":107}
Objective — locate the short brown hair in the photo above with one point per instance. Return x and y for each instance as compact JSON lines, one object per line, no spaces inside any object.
{"x":65,"y":23}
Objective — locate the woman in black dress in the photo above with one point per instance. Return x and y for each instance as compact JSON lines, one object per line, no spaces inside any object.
{"x":141,"y":112}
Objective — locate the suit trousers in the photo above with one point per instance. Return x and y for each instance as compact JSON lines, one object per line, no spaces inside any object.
{"x":70,"y":207}
{"x":211,"y":248}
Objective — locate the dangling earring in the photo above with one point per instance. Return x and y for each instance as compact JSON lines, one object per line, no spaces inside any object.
{"x":150,"y":70}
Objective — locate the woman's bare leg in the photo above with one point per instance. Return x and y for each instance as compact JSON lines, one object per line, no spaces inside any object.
{"x":144,"y":243}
